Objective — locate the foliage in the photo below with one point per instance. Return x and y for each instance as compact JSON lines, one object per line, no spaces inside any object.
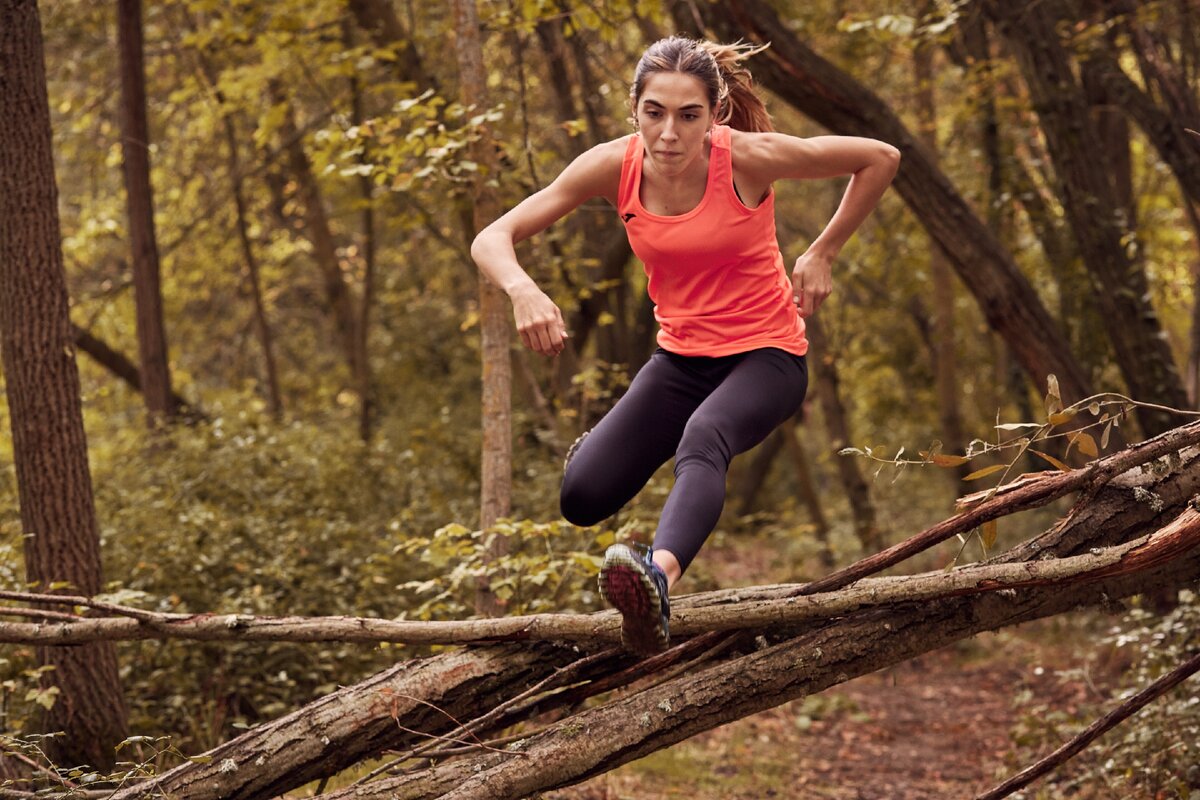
{"x":1153,"y":754}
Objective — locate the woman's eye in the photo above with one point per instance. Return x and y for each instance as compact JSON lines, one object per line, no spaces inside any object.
{"x":690,"y":117}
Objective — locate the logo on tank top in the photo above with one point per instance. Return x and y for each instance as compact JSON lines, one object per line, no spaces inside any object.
{"x":627,"y":217}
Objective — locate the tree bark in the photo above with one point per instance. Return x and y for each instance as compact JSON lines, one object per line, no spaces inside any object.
{"x":356,"y":723}
{"x":1166,"y":108}
{"x":832,"y":98}
{"x":42,"y":384}
{"x":495,"y":326}
{"x":135,"y":148}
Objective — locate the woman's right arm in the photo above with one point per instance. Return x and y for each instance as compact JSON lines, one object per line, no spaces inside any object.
{"x":539,"y":321}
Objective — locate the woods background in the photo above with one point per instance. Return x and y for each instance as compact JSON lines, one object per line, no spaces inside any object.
{"x":278,"y":328}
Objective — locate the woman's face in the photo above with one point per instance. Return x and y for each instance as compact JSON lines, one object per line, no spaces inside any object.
{"x":674,"y":116}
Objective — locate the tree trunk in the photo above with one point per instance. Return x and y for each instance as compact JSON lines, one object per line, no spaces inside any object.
{"x":318,"y":231}
{"x":120,"y":366}
{"x":42,"y":383}
{"x":135,"y":147}
{"x":261,"y":325}
{"x":496,"y":326}
{"x":1167,"y":107}
{"x":752,"y":477}
{"x":827,"y":383}
{"x":1092,"y":203}
{"x":830,"y":97}
{"x":357,"y":722}
{"x":808,"y":491}
{"x":945,"y":367}
{"x":366,"y":390}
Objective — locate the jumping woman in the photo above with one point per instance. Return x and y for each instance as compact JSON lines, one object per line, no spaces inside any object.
{"x":692,"y":185}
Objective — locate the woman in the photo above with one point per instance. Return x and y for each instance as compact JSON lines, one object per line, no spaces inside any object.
{"x":695,"y":196}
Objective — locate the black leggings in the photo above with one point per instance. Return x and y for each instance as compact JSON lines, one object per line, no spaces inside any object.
{"x":701,"y":410}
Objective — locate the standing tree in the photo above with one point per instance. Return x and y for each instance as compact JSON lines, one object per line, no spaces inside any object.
{"x":135,"y":143}
{"x":496,"y":483}
{"x":1085,"y":161}
{"x":49,"y":447}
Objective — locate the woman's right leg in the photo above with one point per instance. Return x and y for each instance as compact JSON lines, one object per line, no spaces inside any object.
{"x":633,"y":440}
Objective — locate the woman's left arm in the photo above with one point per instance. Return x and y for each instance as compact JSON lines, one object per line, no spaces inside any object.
{"x":872,"y":164}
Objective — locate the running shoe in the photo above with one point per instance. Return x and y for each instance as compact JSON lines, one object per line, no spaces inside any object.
{"x":637,"y":587}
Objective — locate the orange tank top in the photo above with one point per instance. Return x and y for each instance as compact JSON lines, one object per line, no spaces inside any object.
{"x":715,"y":273}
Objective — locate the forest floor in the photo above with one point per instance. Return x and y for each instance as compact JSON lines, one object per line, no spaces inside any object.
{"x":949,"y":724}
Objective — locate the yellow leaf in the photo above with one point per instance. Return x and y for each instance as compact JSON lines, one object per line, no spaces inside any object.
{"x":1063,"y":416}
{"x":1051,"y":459}
{"x":1087,"y":445}
{"x":983,"y":473}
{"x":947,"y":461}
{"x":990,"y":529}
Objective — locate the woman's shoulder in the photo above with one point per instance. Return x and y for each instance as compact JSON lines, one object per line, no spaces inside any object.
{"x":597,"y":171}
{"x":751,"y":144}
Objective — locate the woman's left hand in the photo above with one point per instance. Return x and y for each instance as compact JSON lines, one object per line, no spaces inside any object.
{"x":812,"y":282}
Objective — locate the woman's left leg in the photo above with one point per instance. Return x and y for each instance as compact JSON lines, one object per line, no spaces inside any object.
{"x":765,"y":388}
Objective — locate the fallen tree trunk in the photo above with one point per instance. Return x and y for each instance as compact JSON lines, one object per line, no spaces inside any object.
{"x":755,"y":606}
{"x":393,"y":709}
{"x":604,"y":738}
{"x":723,"y":676}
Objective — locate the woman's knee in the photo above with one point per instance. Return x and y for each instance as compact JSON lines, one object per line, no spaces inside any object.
{"x":579,"y":501}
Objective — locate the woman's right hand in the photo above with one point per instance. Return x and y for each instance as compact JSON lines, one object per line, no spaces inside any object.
{"x":539,"y":321}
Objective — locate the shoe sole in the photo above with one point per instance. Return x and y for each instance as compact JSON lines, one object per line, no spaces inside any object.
{"x":627,"y":588}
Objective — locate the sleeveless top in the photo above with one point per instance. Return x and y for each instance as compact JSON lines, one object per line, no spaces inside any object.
{"x":715,"y":273}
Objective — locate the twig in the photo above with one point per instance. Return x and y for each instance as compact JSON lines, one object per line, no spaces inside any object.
{"x":6,"y":611}
{"x":1095,"y":730}
{"x":29,"y":762}
{"x":558,"y":676}
{"x":87,"y":602}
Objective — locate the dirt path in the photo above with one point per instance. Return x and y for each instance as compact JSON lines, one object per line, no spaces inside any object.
{"x":936,"y":727}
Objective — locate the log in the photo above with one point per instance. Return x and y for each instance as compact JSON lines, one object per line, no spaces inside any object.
{"x":640,"y":723}
{"x":734,"y":676}
{"x":390,"y":710}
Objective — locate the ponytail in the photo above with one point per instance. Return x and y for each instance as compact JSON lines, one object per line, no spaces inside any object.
{"x":740,"y":107}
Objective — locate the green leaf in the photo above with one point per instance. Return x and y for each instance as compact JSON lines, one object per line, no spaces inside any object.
{"x":983,"y":473}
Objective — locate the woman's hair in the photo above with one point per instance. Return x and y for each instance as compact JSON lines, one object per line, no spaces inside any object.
{"x":717,"y":66}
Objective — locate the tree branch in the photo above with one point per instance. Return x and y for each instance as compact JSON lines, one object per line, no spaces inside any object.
{"x":780,"y":606}
{"x":1101,"y":726}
